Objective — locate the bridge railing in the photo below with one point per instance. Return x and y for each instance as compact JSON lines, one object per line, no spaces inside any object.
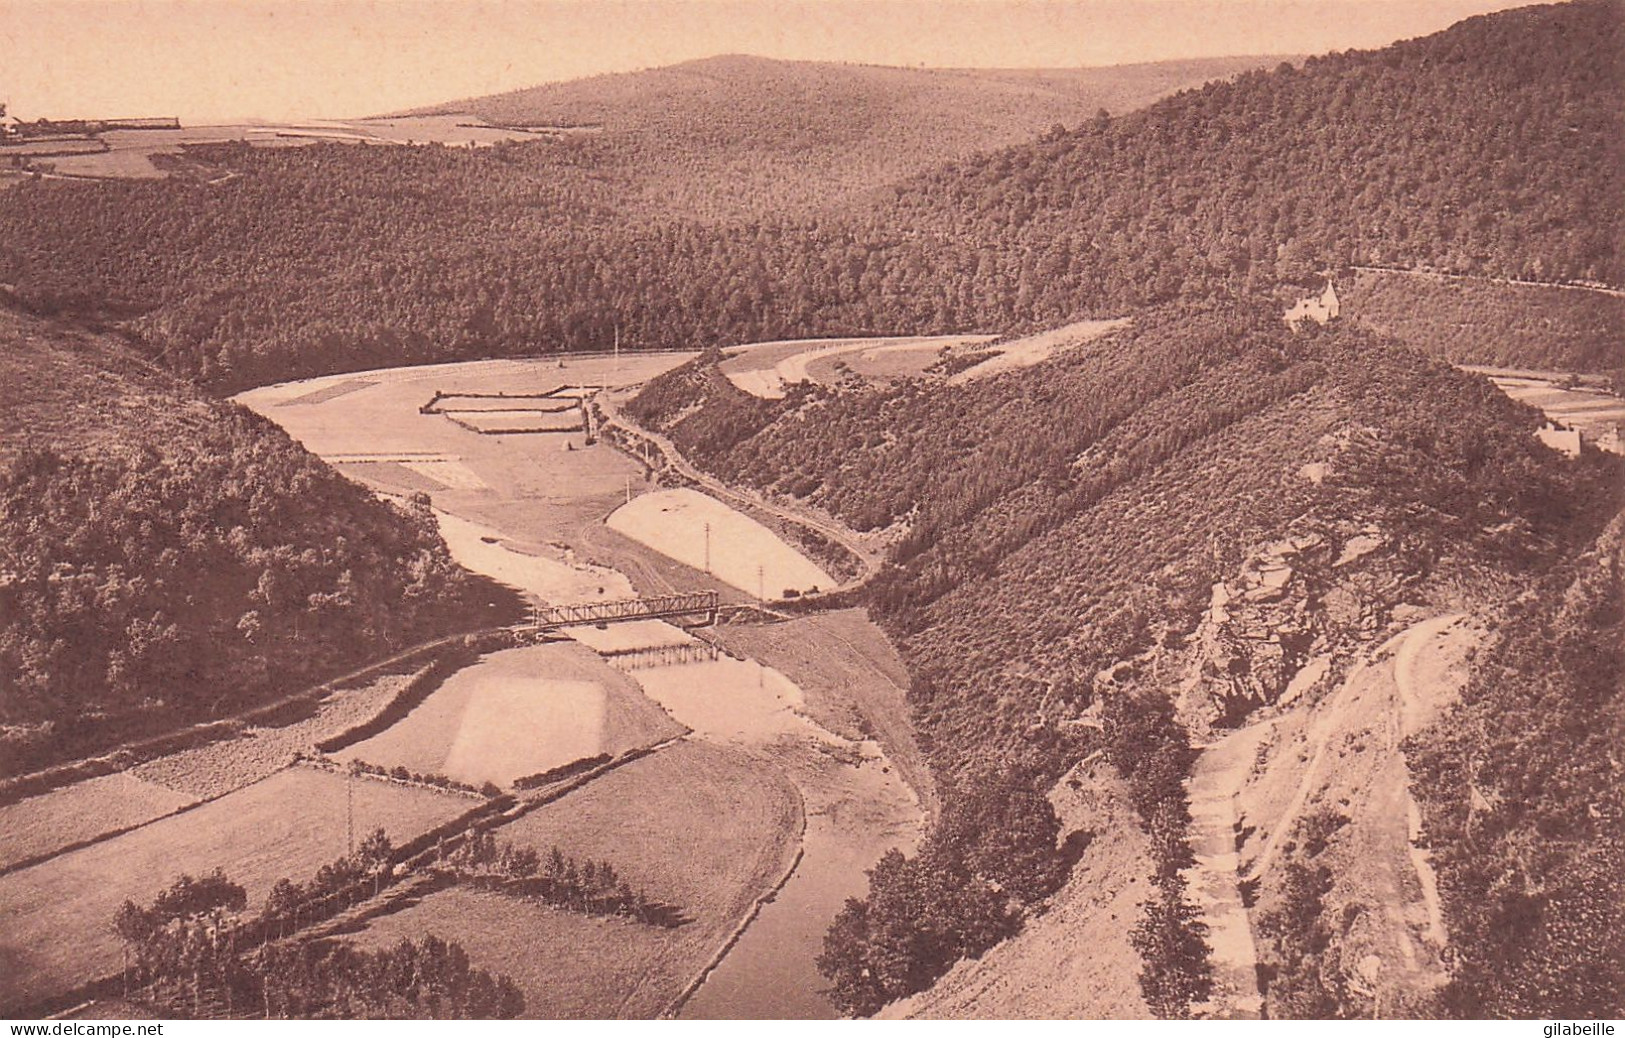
{"x":650,"y":608}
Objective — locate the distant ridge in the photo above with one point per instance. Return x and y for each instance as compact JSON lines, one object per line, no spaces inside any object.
{"x":761,"y":134}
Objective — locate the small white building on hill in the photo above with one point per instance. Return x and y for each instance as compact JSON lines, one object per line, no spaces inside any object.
{"x":1320,"y":309}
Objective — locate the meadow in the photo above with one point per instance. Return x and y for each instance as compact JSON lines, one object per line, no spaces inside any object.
{"x":705,"y":829}
{"x":519,"y":712}
{"x":83,"y":811}
{"x":218,"y":768}
{"x":529,"y":487}
{"x":706,"y":534}
{"x":58,"y":913}
{"x":763,"y":369}
{"x":129,"y":154}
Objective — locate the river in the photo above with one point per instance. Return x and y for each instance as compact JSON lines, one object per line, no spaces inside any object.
{"x":525,"y":511}
{"x":855,"y":804}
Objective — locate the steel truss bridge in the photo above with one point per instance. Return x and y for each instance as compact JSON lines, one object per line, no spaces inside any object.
{"x":658,"y":607}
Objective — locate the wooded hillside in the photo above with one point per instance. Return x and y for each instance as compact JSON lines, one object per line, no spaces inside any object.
{"x":1492,"y":148}
{"x":1065,"y":526}
{"x":166,"y":558}
{"x":737,"y":136}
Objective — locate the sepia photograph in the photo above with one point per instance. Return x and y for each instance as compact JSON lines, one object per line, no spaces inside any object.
{"x":811,"y":510}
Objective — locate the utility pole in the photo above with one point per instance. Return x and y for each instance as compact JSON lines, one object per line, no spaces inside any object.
{"x":349,"y":811}
{"x":761,"y":584}
{"x":708,"y":547}
{"x":628,"y":489}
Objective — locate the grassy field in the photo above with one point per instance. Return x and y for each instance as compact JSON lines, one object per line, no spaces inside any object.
{"x":1024,"y":353}
{"x":56,"y":915}
{"x":764,"y":369}
{"x":83,"y":811}
{"x":130,"y":153}
{"x":218,"y":768}
{"x":705,"y":829}
{"x":887,"y":363}
{"x":520,"y":712}
{"x":528,"y":486}
{"x":569,"y":966}
{"x":1592,"y":410}
{"x":706,"y":534}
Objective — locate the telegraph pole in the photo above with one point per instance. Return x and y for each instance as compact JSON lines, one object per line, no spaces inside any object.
{"x":708,"y":547}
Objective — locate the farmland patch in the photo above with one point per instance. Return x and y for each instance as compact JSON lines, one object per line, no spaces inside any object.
{"x":1024,"y":353}
{"x":332,"y":391}
{"x":517,"y":713}
{"x":695,"y":825}
{"x":83,"y":811}
{"x":218,"y":768}
{"x":702,"y":532}
{"x":56,"y":932}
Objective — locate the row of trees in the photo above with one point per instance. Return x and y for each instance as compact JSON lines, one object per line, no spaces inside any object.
{"x":401,"y":773}
{"x":192,"y":936}
{"x":1148,"y":746}
{"x":586,"y":886}
{"x":992,"y":857}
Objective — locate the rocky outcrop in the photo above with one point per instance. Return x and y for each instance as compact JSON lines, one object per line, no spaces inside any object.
{"x":1271,"y":631}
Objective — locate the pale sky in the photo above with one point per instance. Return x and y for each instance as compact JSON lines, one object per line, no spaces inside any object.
{"x":215,"y":60}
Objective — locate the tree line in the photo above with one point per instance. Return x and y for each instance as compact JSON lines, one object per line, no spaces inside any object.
{"x":184,"y":951}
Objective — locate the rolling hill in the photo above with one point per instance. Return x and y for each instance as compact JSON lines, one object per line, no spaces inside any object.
{"x":736,"y":136}
{"x":1492,"y":149}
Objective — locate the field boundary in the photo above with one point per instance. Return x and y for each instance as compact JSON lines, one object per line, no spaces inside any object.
{"x":613,"y":425}
{"x":403,"y":702}
{"x":124,"y":757}
{"x":490,"y":814}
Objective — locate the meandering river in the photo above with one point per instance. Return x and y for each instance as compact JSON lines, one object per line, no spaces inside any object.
{"x":513,"y":519}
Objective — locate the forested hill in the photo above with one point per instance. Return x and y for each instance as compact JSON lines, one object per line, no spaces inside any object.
{"x":1065,"y":533}
{"x":732,"y":136}
{"x":166,"y":558}
{"x":1495,"y":147}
